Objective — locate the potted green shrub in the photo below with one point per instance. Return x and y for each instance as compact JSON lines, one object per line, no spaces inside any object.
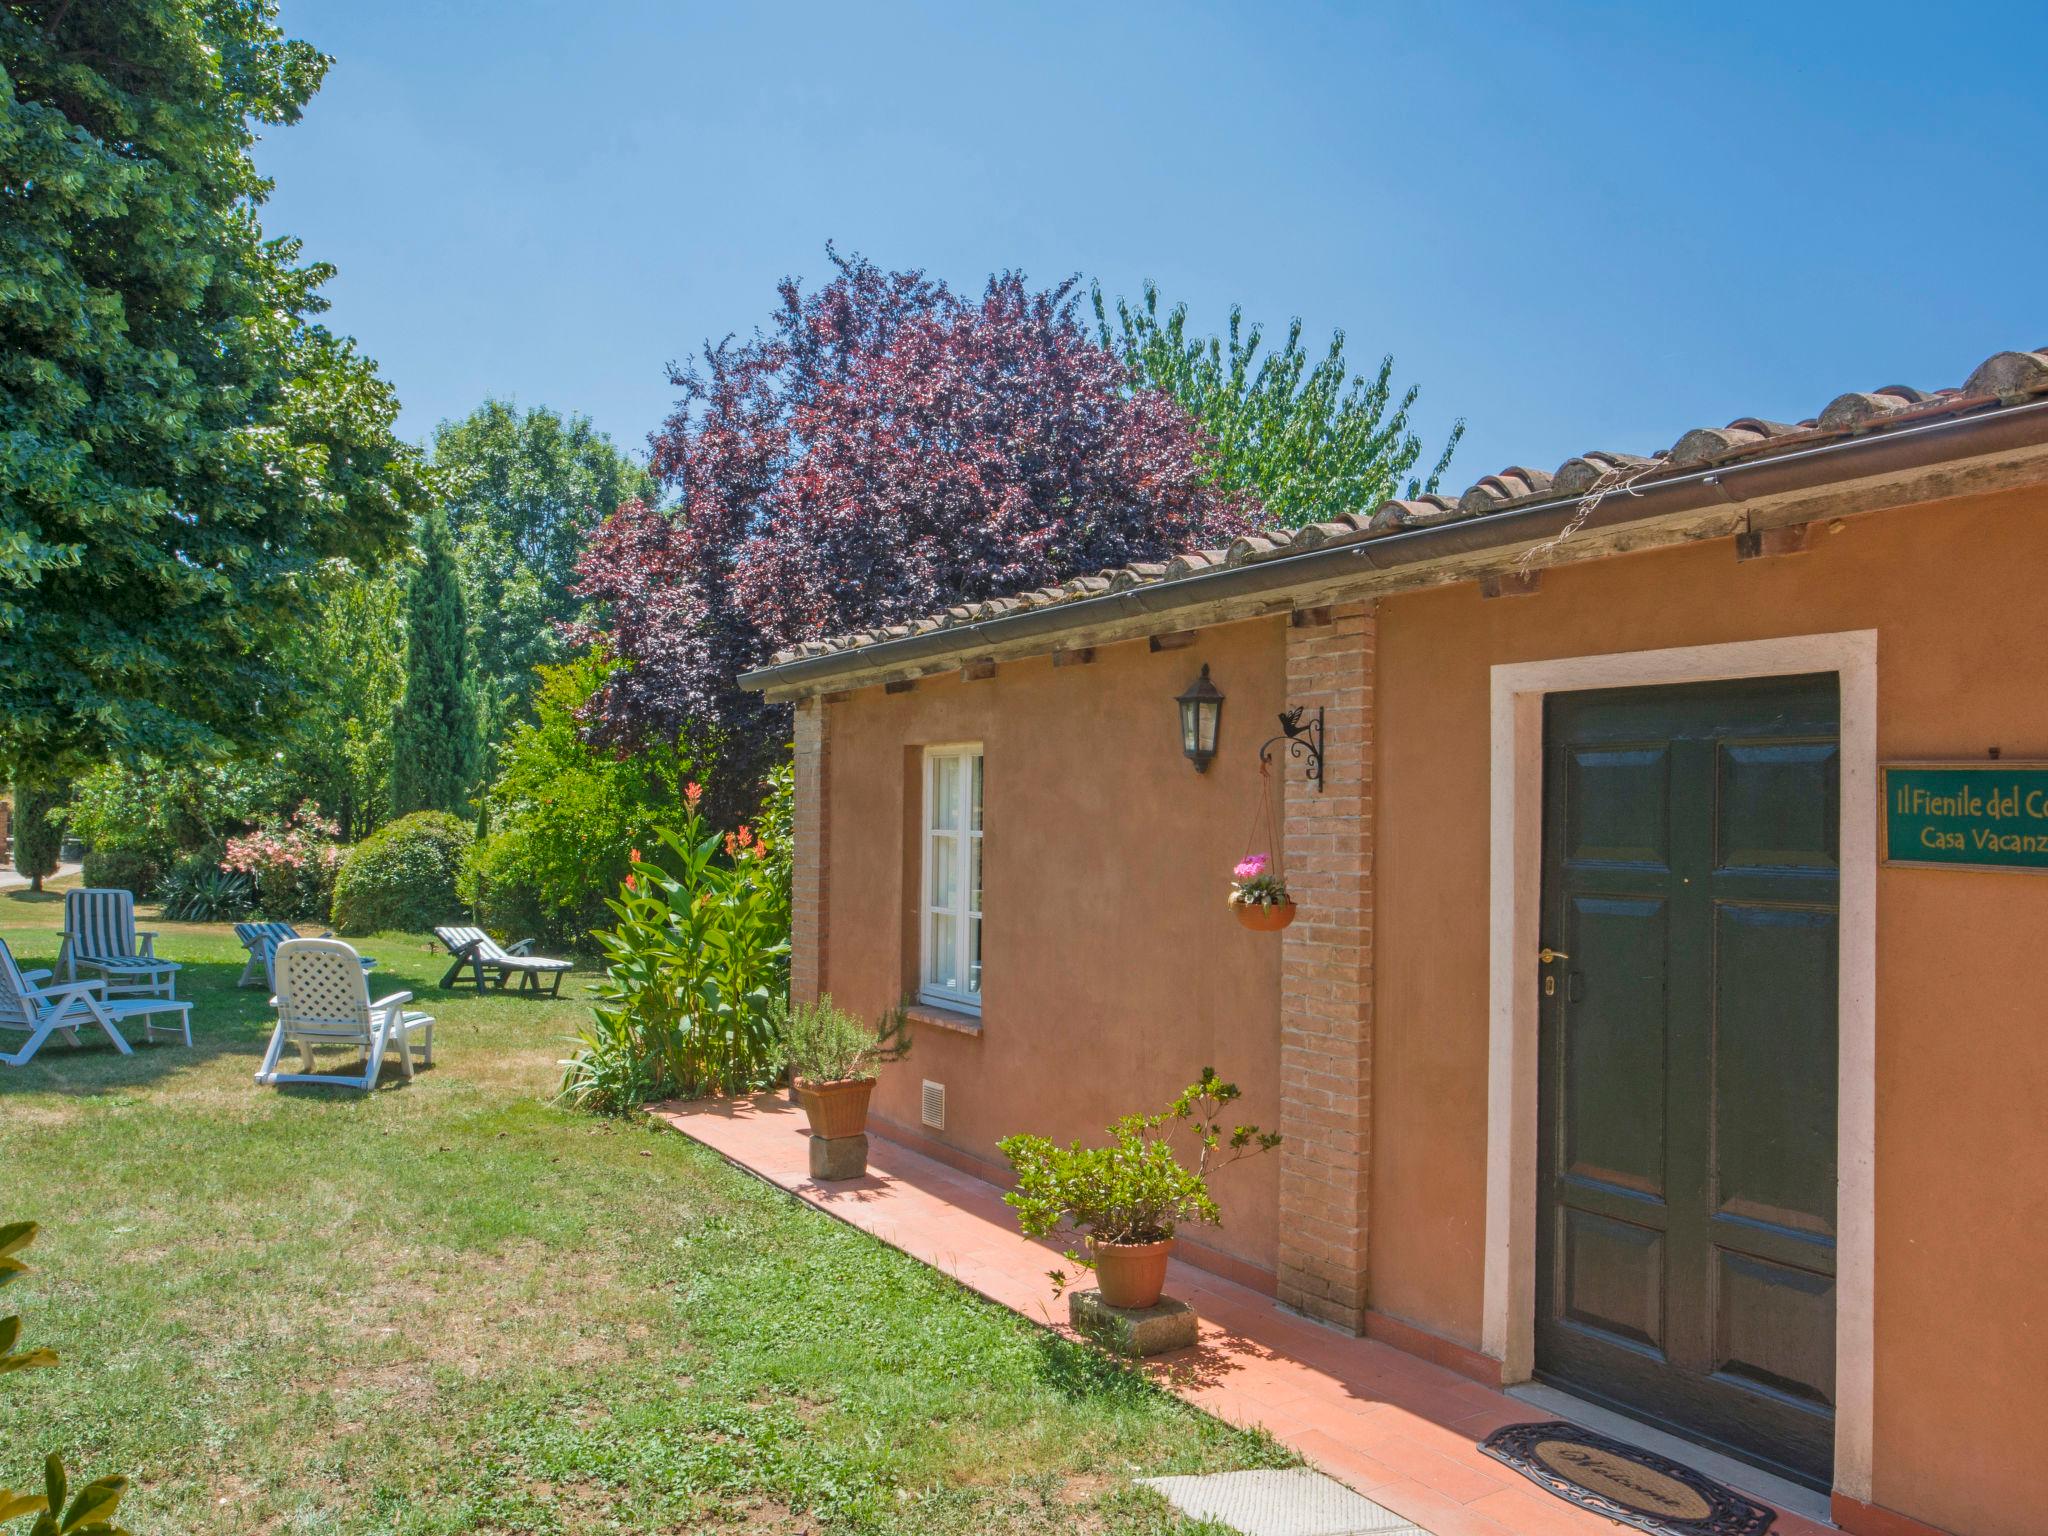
{"x":1128,"y":1199}
{"x":1258,"y":895}
{"x":832,"y":1055}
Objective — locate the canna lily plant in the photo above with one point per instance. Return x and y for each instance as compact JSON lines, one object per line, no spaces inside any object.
{"x":695,"y":967}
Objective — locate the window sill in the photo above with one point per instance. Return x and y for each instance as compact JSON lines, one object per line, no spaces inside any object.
{"x":954,"y":1019}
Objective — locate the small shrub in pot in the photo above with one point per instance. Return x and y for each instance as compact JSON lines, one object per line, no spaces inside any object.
{"x":832,"y":1055}
{"x":1130,"y":1198}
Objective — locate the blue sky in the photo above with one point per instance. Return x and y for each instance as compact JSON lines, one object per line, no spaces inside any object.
{"x":1575,"y":226}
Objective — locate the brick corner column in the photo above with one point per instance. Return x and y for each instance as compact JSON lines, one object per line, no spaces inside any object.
{"x":811,"y":830}
{"x":1326,"y":978}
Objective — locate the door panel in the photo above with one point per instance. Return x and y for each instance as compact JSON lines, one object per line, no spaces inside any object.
{"x":1619,"y":797}
{"x":1619,"y":1139}
{"x":1685,"y":1266}
{"x":1774,"y":1082}
{"x":1614,"y":1278}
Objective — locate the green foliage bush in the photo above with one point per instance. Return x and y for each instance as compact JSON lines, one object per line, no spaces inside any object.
{"x":697,"y":966}
{"x":402,"y":876}
{"x":566,"y":818}
{"x":128,"y":869}
{"x":166,"y":811}
{"x":1136,"y":1189}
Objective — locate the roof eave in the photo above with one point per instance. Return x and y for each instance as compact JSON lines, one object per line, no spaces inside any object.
{"x":1983,"y":427}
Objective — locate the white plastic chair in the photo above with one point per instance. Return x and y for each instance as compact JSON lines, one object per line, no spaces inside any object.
{"x":323,"y":999}
{"x":30,"y":1005}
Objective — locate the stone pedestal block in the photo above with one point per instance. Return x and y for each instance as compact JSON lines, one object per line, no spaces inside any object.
{"x":1135,"y":1331}
{"x":839,"y":1157}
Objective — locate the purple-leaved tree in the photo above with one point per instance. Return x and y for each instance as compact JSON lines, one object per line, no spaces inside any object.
{"x":886,"y":449}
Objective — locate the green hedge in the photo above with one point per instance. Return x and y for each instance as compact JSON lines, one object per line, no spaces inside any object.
{"x":402,"y":876}
{"x":127,"y":869}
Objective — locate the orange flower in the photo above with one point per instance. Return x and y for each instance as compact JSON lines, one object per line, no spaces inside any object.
{"x":634,"y":855}
{"x":632,"y":882}
{"x":693,"y":793}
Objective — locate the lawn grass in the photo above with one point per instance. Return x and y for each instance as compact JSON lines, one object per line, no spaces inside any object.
{"x":453,"y":1307}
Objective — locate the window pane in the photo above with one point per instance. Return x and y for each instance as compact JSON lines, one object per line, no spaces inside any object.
{"x":944,"y":967}
{"x":945,"y":872}
{"x":946,"y":793}
{"x":974,"y":958}
{"x":975,"y":821}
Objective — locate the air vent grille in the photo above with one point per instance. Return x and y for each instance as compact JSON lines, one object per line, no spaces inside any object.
{"x":934,"y":1112}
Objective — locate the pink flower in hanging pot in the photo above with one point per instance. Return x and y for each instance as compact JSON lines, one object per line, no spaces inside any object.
{"x":1250,"y":867}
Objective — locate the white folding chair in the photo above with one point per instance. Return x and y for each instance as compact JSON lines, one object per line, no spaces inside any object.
{"x":323,"y":999}
{"x":30,"y":1005}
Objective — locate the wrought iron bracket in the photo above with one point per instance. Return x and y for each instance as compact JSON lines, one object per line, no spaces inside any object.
{"x":1303,"y":734}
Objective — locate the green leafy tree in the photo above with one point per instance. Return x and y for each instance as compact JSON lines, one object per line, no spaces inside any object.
{"x":434,"y":733}
{"x":522,"y":493}
{"x":183,"y":442}
{"x":160,"y":810}
{"x":566,"y":816}
{"x":352,"y":659}
{"x":37,"y":837}
{"x":1309,"y":441}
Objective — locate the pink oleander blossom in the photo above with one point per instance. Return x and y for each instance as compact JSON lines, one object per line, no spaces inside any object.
{"x":292,"y":862}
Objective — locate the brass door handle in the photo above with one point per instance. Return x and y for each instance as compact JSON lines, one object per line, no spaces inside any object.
{"x":1546,"y":954}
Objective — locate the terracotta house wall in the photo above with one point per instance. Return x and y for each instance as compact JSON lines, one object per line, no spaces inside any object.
{"x":1955,"y":593}
{"x":1113,"y":971}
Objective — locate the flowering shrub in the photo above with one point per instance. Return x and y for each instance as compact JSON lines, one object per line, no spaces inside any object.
{"x":292,"y":861}
{"x":1254,"y":884}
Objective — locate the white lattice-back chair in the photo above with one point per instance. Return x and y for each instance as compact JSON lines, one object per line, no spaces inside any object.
{"x":323,"y":999}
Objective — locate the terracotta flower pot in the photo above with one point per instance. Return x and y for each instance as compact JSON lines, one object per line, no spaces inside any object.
{"x":836,"y":1109}
{"x":1130,"y":1275}
{"x":1261,"y":918}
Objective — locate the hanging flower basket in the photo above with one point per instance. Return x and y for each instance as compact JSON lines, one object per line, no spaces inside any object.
{"x":1259,"y":896}
{"x":1263,"y":916}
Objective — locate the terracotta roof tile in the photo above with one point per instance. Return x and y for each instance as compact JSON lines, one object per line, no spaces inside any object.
{"x":2007,"y":377}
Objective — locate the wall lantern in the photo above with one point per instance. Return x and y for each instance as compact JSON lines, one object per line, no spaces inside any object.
{"x":1201,"y":710}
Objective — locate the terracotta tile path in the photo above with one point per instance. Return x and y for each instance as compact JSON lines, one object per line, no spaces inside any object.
{"x":1395,"y":1427}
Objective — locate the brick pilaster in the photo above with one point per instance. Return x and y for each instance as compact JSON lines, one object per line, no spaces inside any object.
{"x":1326,"y":976}
{"x":810,"y":829}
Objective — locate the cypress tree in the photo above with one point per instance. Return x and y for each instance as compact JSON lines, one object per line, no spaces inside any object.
{"x":37,"y":839}
{"x":434,"y":734}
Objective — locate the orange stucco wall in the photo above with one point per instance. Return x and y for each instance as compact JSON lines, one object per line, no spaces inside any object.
{"x":1113,"y":971}
{"x":1956,"y":593}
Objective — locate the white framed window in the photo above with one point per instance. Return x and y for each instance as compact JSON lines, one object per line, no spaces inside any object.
{"x":949,"y":922}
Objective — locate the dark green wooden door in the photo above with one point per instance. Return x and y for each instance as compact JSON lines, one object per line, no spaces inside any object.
{"x":1686,"y":1232}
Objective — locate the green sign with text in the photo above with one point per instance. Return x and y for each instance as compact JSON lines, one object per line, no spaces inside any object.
{"x":1967,"y":815}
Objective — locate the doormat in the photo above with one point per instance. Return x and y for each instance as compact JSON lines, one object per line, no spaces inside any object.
{"x":1635,"y":1487}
